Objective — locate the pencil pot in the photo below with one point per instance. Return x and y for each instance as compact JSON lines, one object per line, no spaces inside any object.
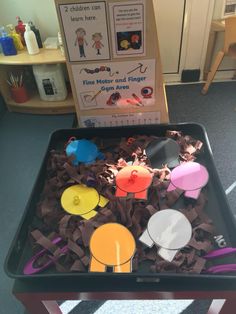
{"x":19,"y":94}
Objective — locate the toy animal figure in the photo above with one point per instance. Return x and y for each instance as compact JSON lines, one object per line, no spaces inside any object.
{"x":163,"y":151}
{"x":169,"y":230}
{"x":133,"y":179}
{"x":190,"y":177}
{"x":83,"y":151}
{"x":112,"y":245}
{"x":82,"y":200}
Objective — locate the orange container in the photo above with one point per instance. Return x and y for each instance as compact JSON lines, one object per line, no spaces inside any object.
{"x":19,"y":94}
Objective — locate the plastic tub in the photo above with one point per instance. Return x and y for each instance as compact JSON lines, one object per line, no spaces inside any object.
{"x":50,"y":82}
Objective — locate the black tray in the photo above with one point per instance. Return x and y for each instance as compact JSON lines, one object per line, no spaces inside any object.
{"x":217,"y":208}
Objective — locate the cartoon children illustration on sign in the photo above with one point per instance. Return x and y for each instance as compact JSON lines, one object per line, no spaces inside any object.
{"x":80,"y":40}
{"x":97,"y":37}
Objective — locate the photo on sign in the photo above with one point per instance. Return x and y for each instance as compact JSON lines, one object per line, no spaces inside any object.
{"x":129,"y":40}
{"x":127,"y":20}
{"x":85,"y":30}
{"x":115,"y":85}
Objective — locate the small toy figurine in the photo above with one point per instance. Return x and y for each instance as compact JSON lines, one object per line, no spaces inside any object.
{"x":97,"y":37}
{"x":112,"y":245}
{"x":80,"y":34}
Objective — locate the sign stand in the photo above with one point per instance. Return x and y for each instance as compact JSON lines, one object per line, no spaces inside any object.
{"x":113,"y":61}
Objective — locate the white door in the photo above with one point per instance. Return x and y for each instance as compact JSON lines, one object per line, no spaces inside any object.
{"x":183,"y":30}
{"x":170,"y":19}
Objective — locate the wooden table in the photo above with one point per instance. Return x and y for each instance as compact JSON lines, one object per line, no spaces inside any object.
{"x":39,"y":296}
{"x":216,"y":27}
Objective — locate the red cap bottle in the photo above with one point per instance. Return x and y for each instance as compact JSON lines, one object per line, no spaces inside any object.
{"x":20,"y":29}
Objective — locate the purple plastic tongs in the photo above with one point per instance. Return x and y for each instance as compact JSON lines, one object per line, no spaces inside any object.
{"x":224,"y":268}
{"x":29,"y":268}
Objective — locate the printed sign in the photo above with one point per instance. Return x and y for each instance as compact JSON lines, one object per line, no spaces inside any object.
{"x":115,"y":85}
{"x":127,"y":20}
{"x":140,"y":118}
{"x":85,"y":28}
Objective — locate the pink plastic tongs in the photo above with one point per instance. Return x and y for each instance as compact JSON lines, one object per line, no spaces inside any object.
{"x":224,"y":268}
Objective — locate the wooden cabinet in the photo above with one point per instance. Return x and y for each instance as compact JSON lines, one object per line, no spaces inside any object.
{"x":35,"y":104}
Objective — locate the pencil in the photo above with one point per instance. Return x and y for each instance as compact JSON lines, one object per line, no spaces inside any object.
{"x":99,"y":92}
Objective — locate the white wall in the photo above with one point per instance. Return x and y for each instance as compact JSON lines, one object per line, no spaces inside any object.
{"x":41,"y":12}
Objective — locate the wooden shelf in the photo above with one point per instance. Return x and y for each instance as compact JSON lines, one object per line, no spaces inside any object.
{"x":44,"y":56}
{"x":36,"y":106}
